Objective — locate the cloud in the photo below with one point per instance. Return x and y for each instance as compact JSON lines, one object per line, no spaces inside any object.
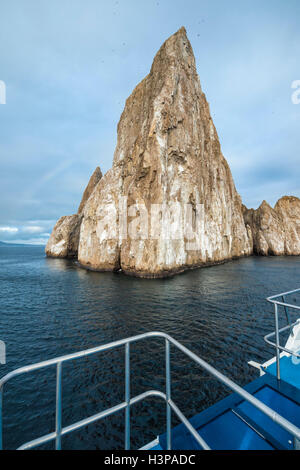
{"x":35,"y":232}
{"x":9,"y":229}
{"x":69,"y":67}
{"x":32,"y":229}
{"x":29,"y":241}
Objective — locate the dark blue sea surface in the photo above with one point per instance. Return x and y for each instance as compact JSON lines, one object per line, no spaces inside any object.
{"x":51,"y":307}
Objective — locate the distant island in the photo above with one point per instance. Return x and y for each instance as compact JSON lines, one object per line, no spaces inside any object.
{"x":16,"y":244}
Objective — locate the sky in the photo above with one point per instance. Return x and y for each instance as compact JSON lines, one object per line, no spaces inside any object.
{"x":69,"y":65}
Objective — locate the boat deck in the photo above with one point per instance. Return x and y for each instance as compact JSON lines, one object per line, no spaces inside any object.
{"x":290,"y":372}
{"x":265,"y":415}
{"x":234,"y":424}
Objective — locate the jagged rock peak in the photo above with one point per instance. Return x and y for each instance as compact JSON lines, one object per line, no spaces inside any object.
{"x":175,"y":50}
{"x":287,"y":202}
{"x":163,"y":99}
{"x":275,"y":231}
{"x":94,"y":180}
{"x":265,"y":205}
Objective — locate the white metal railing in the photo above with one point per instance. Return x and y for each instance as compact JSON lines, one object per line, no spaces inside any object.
{"x":128,"y":402}
{"x":277,"y":303}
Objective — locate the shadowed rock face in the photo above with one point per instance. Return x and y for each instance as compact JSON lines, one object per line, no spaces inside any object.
{"x":94,"y":180}
{"x":167,"y":151}
{"x":275,"y":231}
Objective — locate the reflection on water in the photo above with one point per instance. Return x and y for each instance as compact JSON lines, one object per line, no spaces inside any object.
{"x":57,"y":264}
{"x":51,"y":307}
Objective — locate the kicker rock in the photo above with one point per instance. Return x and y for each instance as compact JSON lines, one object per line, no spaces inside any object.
{"x":169,"y":202}
{"x":275,"y":231}
{"x":64,"y":239}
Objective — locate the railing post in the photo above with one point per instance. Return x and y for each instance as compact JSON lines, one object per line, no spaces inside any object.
{"x":58,"y":418}
{"x":168,"y":394}
{"x":277,"y":343}
{"x":127,"y":396}
{"x":296,"y":444}
{"x":287,"y":315}
{"x":1,"y":418}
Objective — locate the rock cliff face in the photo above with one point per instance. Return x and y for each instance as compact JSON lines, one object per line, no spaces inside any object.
{"x":64,"y":239}
{"x":275,"y":231}
{"x":169,"y":202}
{"x":168,"y":156}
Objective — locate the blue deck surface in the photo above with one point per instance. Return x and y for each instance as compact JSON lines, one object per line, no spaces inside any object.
{"x":228,"y":431}
{"x":289,"y":372}
{"x":279,"y":403}
{"x":157,"y":447}
{"x":234,"y":424}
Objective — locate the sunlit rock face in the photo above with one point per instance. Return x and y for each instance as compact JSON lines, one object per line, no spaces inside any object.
{"x":168,"y":159}
{"x":267,"y":231}
{"x":64,"y":239}
{"x":275,"y":231}
{"x":288,"y":209}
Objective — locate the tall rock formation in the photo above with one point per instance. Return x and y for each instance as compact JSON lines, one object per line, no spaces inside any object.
{"x":275,"y":231}
{"x":64,"y":239}
{"x":169,"y":202}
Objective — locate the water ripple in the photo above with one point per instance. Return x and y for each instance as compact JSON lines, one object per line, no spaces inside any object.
{"x":51,"y":307}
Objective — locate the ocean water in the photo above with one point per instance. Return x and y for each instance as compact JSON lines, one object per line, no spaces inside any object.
{"x":51,"y":307}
